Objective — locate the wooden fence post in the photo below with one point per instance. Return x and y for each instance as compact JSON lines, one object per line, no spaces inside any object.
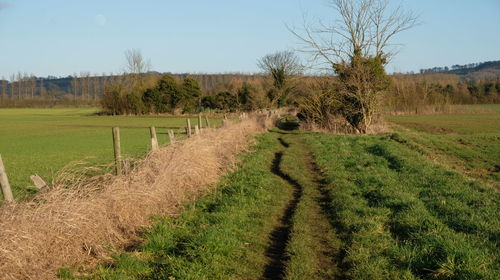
{"x":117,"y":149}
{"x":206,"y":120}
{"x":4,"y":182}
{"x":188,"y":121}
{"x":200,"y":126}
{"x":154,"y":139}
{"x":196,"y":129}
{"x":171,"y":136}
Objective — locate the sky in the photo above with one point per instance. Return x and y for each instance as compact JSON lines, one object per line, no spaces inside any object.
{"x":62,"y":37}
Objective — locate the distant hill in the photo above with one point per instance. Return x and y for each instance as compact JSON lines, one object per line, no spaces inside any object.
{"x":488,"y":70}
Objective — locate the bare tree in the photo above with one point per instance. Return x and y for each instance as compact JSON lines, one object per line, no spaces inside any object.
{"x":362,"y":27}
{"x":281,"y":66}
{"x":32,"y":84}
{"x":136,"y":63}
{"x":74,"y":85}
{"x":12,"y":80}
{"x":357,"y":45}
{"x":136,"y":67}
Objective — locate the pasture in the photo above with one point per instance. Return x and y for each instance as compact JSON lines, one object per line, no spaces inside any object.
{"x":467,"y":142}
{"x":43,"y":141}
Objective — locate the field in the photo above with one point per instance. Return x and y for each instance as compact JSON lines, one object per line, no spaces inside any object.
{"x":42,"y":141}
{"x":318,"y":206}
{"x":466,"y":142}
{"x":420,"y":202}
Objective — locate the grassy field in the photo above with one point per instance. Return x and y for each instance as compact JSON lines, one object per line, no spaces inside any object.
{"x":43,"y":141}
{"x":419,"y":203}
{"x":468,"y":143}
{"x":318,"y":206}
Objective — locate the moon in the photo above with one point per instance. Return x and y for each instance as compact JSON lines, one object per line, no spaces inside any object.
{"x":100,"y":20}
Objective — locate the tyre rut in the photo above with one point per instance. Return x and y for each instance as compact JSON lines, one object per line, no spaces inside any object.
{"x":280,"y":236}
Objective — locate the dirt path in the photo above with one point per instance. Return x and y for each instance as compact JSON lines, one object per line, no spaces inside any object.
{"x":304,"y":213}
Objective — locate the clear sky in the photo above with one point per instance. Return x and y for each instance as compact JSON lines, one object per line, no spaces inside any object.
{"x":62,"y":37}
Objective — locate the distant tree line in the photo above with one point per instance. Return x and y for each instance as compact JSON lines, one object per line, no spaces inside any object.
{"x":413,"y":93}
{"x":459,"y":68}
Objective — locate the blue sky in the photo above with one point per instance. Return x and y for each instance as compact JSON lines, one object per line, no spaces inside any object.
{"x":62,"y":37}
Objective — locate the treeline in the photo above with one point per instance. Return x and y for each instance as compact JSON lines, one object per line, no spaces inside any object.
{"x":413,"y":93}
{"x":226,"y":92}
{"x":457,"y":68}
{"x":154,"y":94}
{"x":84,"y":88}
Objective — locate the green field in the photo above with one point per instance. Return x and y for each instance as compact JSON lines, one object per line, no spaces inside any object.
{"x":318,"y":206}
{"x":420,"y":202}
{"x":468,"y":143}
{"x":42,"y":141}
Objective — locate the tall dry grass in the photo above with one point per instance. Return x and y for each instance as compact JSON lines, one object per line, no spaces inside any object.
{"x":76,"y":225}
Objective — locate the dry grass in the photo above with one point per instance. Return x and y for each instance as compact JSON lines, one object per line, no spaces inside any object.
{"x":76,"y":223}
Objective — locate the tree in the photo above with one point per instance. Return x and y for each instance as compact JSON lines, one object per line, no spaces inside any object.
{"x":357,"y":46}
{"x":281,"y":66}
{"x":136,"y":67}
{"x":191,"y":95}
{"x":164,"y":97}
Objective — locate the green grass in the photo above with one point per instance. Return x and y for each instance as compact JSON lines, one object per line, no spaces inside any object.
{"x":314,"y":246}
{"x":469,"y":143}
{"x":227,"y":234}
{"x":375,"y":209}
{"x":222,"y":236}
{"x":393,"y":206}
{"x":42,"y":141}
{"x":400,"y":216}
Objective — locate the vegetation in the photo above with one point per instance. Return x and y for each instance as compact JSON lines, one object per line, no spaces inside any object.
{"x":42,"y":141}
{"x":402,"y":217}
{"x":282,"y":67}
{"x":216,"y":235}
{"x":356,"y":48}
{"x":322,"y":206}
{"x":467,"y":142}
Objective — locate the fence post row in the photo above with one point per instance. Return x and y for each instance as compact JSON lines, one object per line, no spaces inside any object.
{"x":4,"y":182}
{"x":171,"y":136}
{"x":196,"y":129}
{"x":199,"y":122}
{"x":117,"y":149}
{"x":154,"y":139}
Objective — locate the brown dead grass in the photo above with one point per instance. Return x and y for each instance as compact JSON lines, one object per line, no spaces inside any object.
{"x":77,"y":224}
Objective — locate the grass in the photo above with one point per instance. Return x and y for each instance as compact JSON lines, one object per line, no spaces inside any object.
{"x":400,"y":216}
{"x":255,"y":225}
{"x":42,"y":141}
{"x":215,"y":236}
{"x":314,"y":246}
{"x":469,"y":143}
{"x":317,"y":206}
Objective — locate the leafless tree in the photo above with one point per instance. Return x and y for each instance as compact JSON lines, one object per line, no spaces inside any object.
{"x":136,"y":67}
{"x":136,"y":63}
{"x":12,"y":80}
{"x":357,"y":45}
{"x":281,"y":66}
{"x":360,"y":27}
{"x":32,"y":84}
{"x":74,"y":85}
